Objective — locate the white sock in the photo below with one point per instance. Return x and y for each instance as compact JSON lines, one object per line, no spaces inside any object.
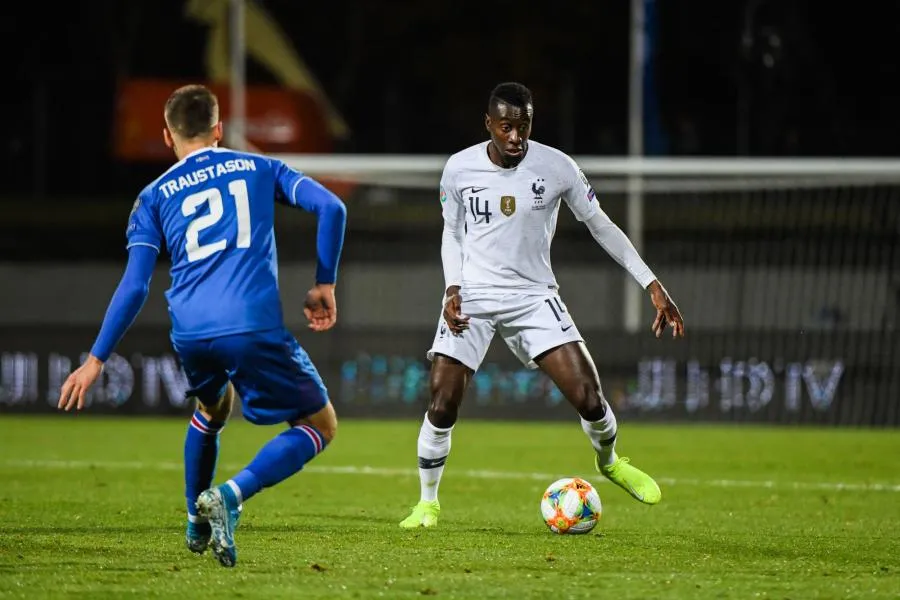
{"x":602,"y":434}
{"x":433,"y":447}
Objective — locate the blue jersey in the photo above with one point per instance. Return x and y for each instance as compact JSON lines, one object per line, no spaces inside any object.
{"x":214,"y":212}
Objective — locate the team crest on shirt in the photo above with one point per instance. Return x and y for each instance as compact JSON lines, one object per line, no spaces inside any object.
{"x":508,"y":205}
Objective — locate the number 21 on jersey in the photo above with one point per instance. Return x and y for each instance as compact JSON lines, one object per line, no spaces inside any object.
{"x":237,"y":189}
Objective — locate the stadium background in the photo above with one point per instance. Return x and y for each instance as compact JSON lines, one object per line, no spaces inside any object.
{"x":789,"y":285}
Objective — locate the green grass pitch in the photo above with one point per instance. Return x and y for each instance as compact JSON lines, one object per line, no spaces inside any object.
{"x":93,"y":507}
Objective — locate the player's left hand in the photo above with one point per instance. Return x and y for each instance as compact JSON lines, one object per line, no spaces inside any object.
{"x":666,"y":311}
{"x":77,"y":384}
{"x":320,"y":307}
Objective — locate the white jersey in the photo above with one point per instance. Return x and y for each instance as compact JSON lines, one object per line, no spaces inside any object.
{"x":505,"y":218}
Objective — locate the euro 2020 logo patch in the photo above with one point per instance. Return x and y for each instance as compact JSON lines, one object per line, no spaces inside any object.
{"x":443,"y":195}
{"x":131,"y":225}
{"x":135,"y":206}
{"x":591,"y":196}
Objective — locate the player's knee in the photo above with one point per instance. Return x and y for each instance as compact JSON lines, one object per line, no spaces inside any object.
{"x":216,"y":412}
{"x":589,"y":401}
{"x":221,"y":410}
{"x":329,"y":430}
{"x":444,"y":407}
{"x":325,"y":422}
{"x":449,"y":379}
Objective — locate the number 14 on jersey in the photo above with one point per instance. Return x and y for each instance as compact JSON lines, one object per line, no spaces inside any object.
{"x":475,"y":208}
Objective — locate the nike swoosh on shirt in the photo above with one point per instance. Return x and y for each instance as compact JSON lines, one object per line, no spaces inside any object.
{"x":474,"y":189}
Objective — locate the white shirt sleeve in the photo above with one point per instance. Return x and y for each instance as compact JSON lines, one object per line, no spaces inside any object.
{"x":580,"y":197}
{"x":454,"y":213}
{"x":618,"y":246}
{"x":578,"y":193}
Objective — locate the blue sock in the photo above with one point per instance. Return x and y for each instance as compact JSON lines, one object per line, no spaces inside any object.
{"x":201,"y":451}
{"x":279,"y":459}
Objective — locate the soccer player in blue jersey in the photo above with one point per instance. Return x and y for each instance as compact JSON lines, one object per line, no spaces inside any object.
{"x":214,"y":211}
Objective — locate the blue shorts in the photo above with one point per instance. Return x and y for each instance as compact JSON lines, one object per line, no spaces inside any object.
{"x":274,"y":377}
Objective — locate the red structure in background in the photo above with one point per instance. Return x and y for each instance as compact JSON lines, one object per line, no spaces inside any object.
{"x":277,"y":121}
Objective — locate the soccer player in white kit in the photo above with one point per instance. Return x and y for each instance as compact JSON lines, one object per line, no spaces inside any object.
{"x":500,"y":202}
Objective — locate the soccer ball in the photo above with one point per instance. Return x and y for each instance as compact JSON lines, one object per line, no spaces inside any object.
{"x":571,"y":505}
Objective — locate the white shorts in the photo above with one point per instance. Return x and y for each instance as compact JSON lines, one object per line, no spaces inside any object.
{"x":529,"y":324}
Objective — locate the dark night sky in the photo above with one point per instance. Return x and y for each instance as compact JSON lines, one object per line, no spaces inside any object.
{"x":413,"y":77}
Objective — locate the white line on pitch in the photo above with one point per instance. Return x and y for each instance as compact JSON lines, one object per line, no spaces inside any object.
{"x":473,"y":474}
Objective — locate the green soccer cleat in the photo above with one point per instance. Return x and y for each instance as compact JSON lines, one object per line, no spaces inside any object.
{"x":631,"y":479}
{"x":424,"y":514}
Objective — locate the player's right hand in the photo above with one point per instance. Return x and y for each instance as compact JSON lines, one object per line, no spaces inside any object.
{"x":453,"y":315}
{"x":320,"y":307}
{"x":74,"y":391}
